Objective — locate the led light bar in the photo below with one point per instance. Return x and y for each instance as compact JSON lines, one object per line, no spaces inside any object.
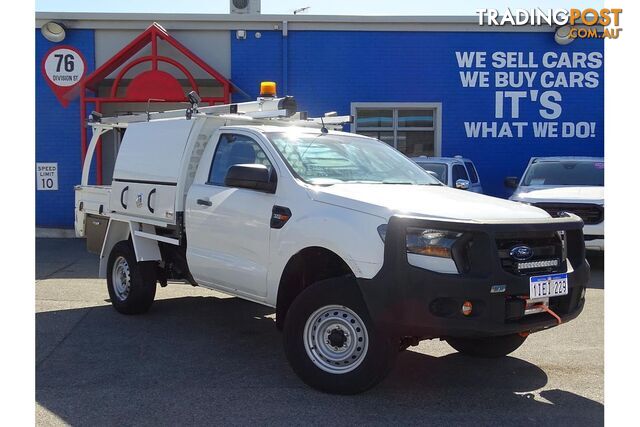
{"x":537,"y":264}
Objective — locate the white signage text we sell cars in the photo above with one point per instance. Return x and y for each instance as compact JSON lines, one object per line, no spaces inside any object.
{"x":525,"y":79}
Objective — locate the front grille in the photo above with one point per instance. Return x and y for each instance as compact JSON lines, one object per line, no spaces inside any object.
{"x":547,"y":247}
{"x":590,"y":213}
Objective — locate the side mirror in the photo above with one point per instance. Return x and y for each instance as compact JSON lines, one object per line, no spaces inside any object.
{"x":462,"y":184}
{"x":251,"y":176}
{"x":511,"y":182}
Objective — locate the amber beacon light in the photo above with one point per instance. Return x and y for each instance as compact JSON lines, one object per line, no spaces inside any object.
{"x":268,"y":89}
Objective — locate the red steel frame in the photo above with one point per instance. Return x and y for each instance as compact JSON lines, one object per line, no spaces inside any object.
{"x":159,"y":93}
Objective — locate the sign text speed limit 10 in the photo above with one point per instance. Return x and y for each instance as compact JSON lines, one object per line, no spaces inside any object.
{"x":46,"y":176}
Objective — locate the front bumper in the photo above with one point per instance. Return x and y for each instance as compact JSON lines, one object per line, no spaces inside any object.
{"x":594,"y":236}
{"x":409,"y":301}
{"x":594,"y":244}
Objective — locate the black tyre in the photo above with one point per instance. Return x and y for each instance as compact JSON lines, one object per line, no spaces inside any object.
{"x":489,"y":347}
{"x":331,"y":342}
{"x":131,"y":284}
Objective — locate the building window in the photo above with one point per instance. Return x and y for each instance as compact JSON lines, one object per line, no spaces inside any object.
{"x":412,"y":128}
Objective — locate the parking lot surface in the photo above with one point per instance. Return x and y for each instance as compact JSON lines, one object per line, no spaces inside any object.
{"x":201,"y":357}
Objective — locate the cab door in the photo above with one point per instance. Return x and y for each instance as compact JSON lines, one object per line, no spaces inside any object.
{"x":228,"y":228}
{"x":476,"y":187}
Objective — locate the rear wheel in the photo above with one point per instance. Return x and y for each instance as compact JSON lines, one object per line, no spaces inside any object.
{"x":489,"y":347}
{"x":131,"y":284}
{"x":330,"y":341}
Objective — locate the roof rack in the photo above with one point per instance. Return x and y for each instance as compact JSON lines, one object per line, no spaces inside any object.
{"x":265,"y":110}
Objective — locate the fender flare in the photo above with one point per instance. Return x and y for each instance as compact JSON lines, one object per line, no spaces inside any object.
{"x":117,"y":231}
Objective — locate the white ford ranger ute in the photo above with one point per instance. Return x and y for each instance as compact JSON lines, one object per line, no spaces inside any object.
{"x":360,"y":251}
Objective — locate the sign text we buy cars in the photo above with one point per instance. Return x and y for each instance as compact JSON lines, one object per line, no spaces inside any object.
{"x":529,"y":80}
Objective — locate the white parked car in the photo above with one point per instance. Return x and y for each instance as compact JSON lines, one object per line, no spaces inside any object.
{"x":566,"y":184}
{"x":360,"y":252}
{"x":456,"y":172}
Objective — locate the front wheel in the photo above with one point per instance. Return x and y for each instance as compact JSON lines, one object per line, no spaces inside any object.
{"x":330,"y":341}
{"x":488,"y":347}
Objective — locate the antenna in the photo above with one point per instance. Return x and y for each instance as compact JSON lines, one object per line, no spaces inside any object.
{"x":324,"y":128}
{"x":302,"y":9}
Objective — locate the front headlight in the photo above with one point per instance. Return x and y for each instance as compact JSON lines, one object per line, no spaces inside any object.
{"x":433,"y":249}
{"x":431,"y":242}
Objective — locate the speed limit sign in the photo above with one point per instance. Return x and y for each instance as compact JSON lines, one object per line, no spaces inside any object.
{"x":46,"y":176}
{"x":63,"y":67}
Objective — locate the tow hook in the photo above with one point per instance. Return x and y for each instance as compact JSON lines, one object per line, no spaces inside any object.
{"x":542,"y":307}
{"x":545,"y":308}
{"x":551,"y":312}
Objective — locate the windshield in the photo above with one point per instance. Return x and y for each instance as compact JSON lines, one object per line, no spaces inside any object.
{"x":439,"y":169}
{"x":326,"y":159}
{"x":575,"y":173}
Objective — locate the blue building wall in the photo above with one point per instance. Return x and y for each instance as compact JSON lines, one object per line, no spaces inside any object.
{"x":58,"y":134}
{"x":327,"y":70}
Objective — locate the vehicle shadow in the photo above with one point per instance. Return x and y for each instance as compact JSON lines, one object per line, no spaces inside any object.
{"x":205,"y":360}
{"x":64,"y":258}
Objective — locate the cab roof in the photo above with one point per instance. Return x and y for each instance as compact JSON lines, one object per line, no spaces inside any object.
{"x":567,"y":159}
{"x":447,"y":160}
{"x":292,"y":128}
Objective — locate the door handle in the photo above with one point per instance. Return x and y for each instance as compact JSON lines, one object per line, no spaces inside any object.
{"x":125,"y":189}
{"x":149,"y":200}
{"x":204,"y":202}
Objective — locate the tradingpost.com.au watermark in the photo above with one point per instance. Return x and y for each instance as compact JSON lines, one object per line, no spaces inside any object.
{"x":582,"y":23}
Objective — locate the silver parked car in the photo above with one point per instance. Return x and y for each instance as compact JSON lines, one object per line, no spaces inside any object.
{"x":566,"y":184}
{"x":456,"y":172}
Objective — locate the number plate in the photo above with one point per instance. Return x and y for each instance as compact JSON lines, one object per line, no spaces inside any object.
{"x":552,"y":285}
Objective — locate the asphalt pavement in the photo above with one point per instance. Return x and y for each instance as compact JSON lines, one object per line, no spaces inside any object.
{"x":201,"y":357}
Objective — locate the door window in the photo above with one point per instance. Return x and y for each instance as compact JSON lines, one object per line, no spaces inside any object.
{"x":472,"y":172}
{"x":234,"y":149}
{"x":459,"y":172}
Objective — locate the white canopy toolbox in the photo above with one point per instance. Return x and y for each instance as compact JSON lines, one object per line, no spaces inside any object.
{"x":148,"y":169}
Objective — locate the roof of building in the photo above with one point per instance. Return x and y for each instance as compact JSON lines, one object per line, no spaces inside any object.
{"x":191,"y":21}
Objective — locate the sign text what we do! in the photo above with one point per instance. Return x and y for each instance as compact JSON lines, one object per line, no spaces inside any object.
{"x":529,"y":84}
